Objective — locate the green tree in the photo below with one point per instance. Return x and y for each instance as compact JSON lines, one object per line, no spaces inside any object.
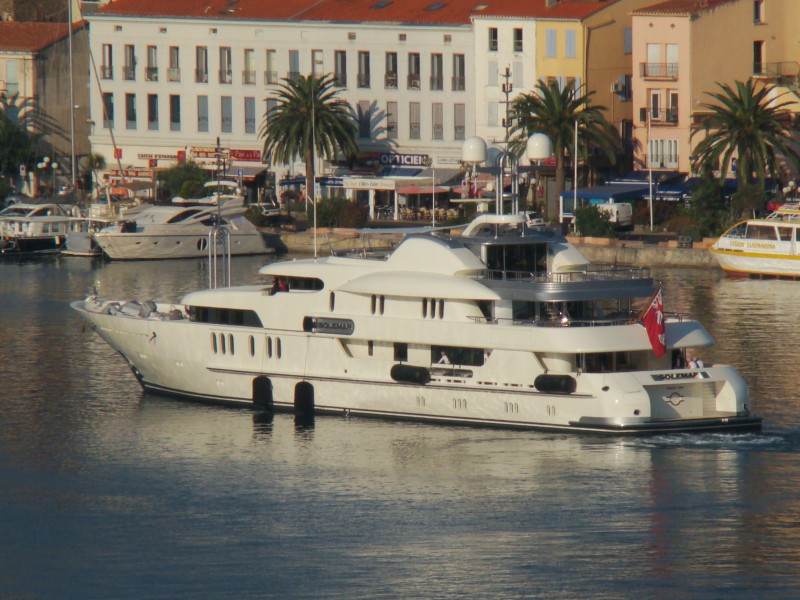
{"x":554,"y":111}
{"x":89,"y":166}
{"x":18,"y":143}
{"x":308,"y":120}
{"x":750,"y":125}
{"x":185,"y":178}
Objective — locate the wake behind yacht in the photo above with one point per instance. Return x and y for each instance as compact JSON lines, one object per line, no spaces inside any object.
{"x":502,"y":326}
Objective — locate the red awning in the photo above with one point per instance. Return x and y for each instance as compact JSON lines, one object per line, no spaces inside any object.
{"x":420,"y":189}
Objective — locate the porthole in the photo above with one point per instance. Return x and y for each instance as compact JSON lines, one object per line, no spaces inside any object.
{"x":332,"y":301}
{"x":278,"y":347}
{"x":222,"y":343}
{"x":252,"y":346}
{"x":424,"y":308}
{"x":373,"y":302}
{"x":382,"y":304}
{"x":269,"y":347}
{"x":441,"y":309}
{"x":214,"y":342}
{"x":230,"y":343}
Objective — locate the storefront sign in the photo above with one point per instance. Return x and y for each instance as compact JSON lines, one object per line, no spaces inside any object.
{"x":405,"y":160}
{"x":234,"y":153}
{"x":353,"y":183}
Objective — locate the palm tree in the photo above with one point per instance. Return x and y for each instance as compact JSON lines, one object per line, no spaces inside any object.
{"x":308,"y":120}
{"x":554,"y":111}
{"x":749,"y":125}
{"x":91,"y":164}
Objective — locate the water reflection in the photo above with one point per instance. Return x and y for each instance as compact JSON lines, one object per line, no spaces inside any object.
{"x":152,"y":497}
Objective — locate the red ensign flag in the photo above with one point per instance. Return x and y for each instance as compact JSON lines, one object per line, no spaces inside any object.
{"x":653,"y":321}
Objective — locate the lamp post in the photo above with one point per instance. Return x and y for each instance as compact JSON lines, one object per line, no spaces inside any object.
{"x":646,"y":114}
{"x":52,"y":165}
{"x":431,"y":162}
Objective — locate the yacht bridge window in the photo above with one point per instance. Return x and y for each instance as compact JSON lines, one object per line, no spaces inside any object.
{"x":526,"y":258}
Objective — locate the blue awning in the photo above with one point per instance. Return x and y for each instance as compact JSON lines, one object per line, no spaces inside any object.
{"x":399,"y":171}
{"x":600,"y":194}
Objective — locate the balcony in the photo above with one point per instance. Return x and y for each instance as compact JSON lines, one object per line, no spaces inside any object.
{"x":414,"y":131}
{"x":293,"y":75}
{"x":665,"y":116}
{"x":151,"y":73}
{"x":270,"y":77}
{"x":666,"y":71}
{"x":459,"y":83}
{"x":782,"y":73}
{"x":106,"y":72}
{"x":248,"y":77}
{"x":460,"y":132}
{"x":129,"y":73}
{"x":363,"y":80}
{"x":173,"y":74}
{"x":391,"y":81}
{"x":437,"y":83}
{"x":413,"y":81}
{"x":340,"y":79}
{"x":225,"y":76}
{"x":201,"y":75}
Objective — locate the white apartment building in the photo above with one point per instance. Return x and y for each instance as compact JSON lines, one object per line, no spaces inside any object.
{"x":170,"y":88}
{"x":421,"y":76}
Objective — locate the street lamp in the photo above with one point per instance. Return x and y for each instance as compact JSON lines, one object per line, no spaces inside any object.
{"x":646,"y":115}
{"x":431,"y":162}
{"x":44,"y":165}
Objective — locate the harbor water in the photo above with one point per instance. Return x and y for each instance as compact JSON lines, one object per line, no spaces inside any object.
{"x":106,"y":492}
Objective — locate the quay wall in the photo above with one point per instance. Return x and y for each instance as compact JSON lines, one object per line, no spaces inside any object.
{"x":597,"y":250}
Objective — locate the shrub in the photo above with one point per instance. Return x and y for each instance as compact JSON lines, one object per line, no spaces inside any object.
{"x":592,"y":222}
{"x":338,"y":211}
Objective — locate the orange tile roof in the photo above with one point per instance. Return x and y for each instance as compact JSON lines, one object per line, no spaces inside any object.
{"x":681,"y":7}
{"x":354,"y":11}
{"x":17,"y":36}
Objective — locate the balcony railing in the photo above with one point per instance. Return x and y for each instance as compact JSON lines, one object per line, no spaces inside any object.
{"x":201,"y":75}
{"x":659,"y":70}
{"x":341,"y":79}
{"x":414,"y":131}
{"x":459,"y":83}
{"x":665,"y":116}
{"x":270,"y":77}
{"x":225,"y":76}
{"x":151,"y":73}
{"x":460,"y":130}
{"x":391,"y":81}
{"x":413,"y":82}
{"x":293,"y":75}
{"x":437,"y":83}
{"x":106,"y":72}
{"x":785,"y":73}
{"x":129,"y":73}
{"x":363,"y":80}
{"x":248,"y":77}
{"x":173,"y":74}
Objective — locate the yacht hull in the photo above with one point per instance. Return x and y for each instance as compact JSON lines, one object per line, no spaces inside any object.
{"x":311,"y":373}
{"x":135,"y":246}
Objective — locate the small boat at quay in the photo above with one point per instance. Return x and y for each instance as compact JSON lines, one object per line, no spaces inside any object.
{"x":180,"y":231}
{"x":37,"y":228}
{"x":768,"y":247}
{"x":501,"y":326}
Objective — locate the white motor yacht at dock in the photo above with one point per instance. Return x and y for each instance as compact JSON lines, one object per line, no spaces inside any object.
{"x":503,"y":326}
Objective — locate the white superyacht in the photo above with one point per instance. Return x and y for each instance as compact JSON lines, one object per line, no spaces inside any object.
{"x":505,"y":326}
